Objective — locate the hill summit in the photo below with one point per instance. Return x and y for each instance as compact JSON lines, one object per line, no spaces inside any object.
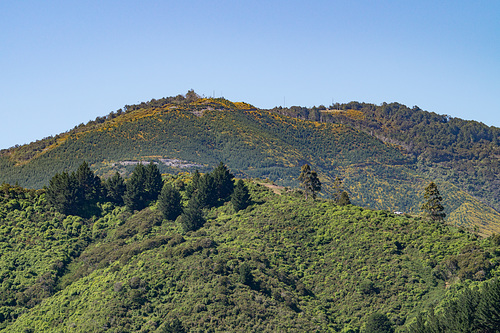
{"x":384,"y":154}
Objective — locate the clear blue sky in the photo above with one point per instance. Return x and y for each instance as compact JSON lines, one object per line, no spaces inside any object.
{"x":66,"y":62}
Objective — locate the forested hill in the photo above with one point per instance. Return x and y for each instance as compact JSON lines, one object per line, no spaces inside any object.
{"x":385,"y":155}
{"x":277,"y":263}
{"x":465,"y":153}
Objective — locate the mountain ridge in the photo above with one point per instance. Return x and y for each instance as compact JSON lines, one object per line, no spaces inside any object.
{"x":360,"y":143}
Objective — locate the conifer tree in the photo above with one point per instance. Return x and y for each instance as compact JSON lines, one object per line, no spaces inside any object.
{"x":115,"y":188}
{"x":76,"y":193}
{"x":433,"y":207}
{"x":88,"y":184}
{"x":309,"y":181}
{"x":169,"y":202}
{"x":195,"y":183}
{"x":62,"y":193}
{"x":223,"y":180}
{"x":240,"y":198}
{"x":144,"y":186}
{"x":192,"y":217}
{"x":206,"y":193}
{"x":89,"y":191}
{"x":344,"y":199}
{"x":134,"y":196}
{"x":338,"y":189}
{"x":153,"y":183}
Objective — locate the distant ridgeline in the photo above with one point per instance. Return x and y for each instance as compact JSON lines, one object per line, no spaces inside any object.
{"x":385,"y":154}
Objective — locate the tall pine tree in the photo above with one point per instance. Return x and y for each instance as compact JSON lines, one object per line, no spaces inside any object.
{"x":240,"y":198}
{"x":62,"y":193}
{"x":195,"y":183}
{"x":338,"y":189}
{"x":153,"y":182}
{"x":433,"y":207}
{"x":169,"y":202}
{"x":309,"y":181}
{"x":223,"y":180}
{"x":192,"y":217}
{"x":115,"y":188}
{"x":89,"y":184}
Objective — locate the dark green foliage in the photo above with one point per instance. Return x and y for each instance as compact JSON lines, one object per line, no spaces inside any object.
{"x":192,"y":217}
{"x":457,"y":150}
{"x":76,"y":193}
{"x":381,"y":150}
{"x":474,"y":310}
{"x":62,"y":193}
{"x":378,"y":323}
{"x":115,"y":189}
{"x":433,"y":207}
{"x":144,"y":186}
{"x":195,"y":183}
{"x":206,"y":193}
{"x":174,"y":327}
{"x":285,"y":265}
{"x":89,"y":191}
{"x":88,"y":184}
{"x":488,"y":311}
{"x":241,"y":197}
{"x":309,"y":258}
{"x":245,"y":272}
{"x":169,"y":202}
{"x":134,"y":192}
{"x":223,"y":180}
{"x":344,"y":199}
{"x":368,"y":287}
{"x":338,"y":189}
{"x":211,"y":188}
{"x":153,"y":182}
{"x":309,"y":181}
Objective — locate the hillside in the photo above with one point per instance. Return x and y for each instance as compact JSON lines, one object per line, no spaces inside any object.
{"x":282,"y":264}
{"x":465,"y":153}
{"x":381,"y":166}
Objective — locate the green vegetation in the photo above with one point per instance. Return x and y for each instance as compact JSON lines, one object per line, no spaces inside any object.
{"x":474,"y":310}
{"x":433,"y":207}
{"x":76,"y":193}
{"x":309,"y":181}
{"x":462,"y":152}
{"x":241,"y":197}
{"x":378,"y":323}
{"x":283,"y":263}
{"x":385,"y":154}
{"x":169,"y":202}
{"x":144,"y":186}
